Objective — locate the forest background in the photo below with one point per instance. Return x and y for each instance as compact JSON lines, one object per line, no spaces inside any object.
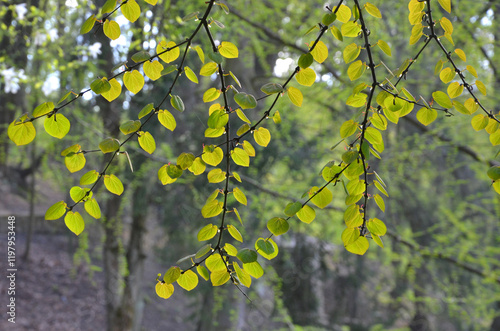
{"x":437,"y":271}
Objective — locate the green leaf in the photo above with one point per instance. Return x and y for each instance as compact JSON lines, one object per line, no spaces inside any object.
{"x":133,"y":81}
{"x":88,"y":25}
{"x":147,"y":142}
{"x":479,"y":122}
{"x":306,"y":214}
{"x":108,"y":6}
{"x":356,"y":70}
{"x":43,"y":109}
{"x":240,"y":196}
{"x":77,"y":193}
{"x":455,"y":90}
{"x":113,"y":184}
{"x":214,"y":262}
{"x":254,"y":269}
{"x":101,"y":85}
{"x":350,"y":156}
{"x":211,"y":94}
{"x":359,"y":246}
{"x":212,"y":155}
{"x":141,"y":56}
{"x":245,"y":101}
{"x":442,"y":99}
{"x":446,"y":4}
{"x":218,"y":119}
{"x":380,"y":188}
{"x":130,"y":127}
{"x":376,"y":227}
{"x":114,"y":92}
{"x":109,"y":145}
{"x":228,"y":50}
{"x":426,"y":115}
{"x":230,"y":249}
{"x":373,"y":136}
{"x":233,"y":231}
{"x":328,"y":19}
{"x":190,"y":74}
{"x":21,"y":133}
{"x":271,"y":88}
{"x":211,"y":209}
{"x":373,"y":10}
{"x":57,"y":125}
{"x":481,"y":87}
{"x":207,"y":232}
{"x":247,"y":255}
{"x":267,"y":248}
{"x":167,"y":119}
{"x":350,"y":29}
{"x":446,"y":75}
{"x":177,"y":103}
{"x":295,"y":96}
{"x":278,"y":226}
{"x":262,"y":136}
{"x":153,"y":69}
{"x":292,"y":208}
{"x":384,"y":47}
{"x":209,"y":69}
{"x":188,"y":280}
{"x":305,"y":60}
{"x":242,"y":275}
{"x":350,"y":235}
{"x":240,"y":157}
{"x":380,"y":202}
{"x":320,"y":52}
{"x":203,"y":272}
{"x":351,"y":52}
{"x":89,"y":178}
{"x":75,"y":162}
{"x":185,"y":160}
{"x":264,"y":246}
{"x":172,"y":274}
{"x":306,"y":77}
{"x":174,"y":171}
{"x":219,"y":277}
{"x":321,"y":199}
{"x":56,"y":211}
{"x":216,"y":176}
{"x":198,"y":166}
{"x":203,"y":251}
{"x":348,"y":128}
{"x":111,"y":29}
{"x":164,"y":290}
{"x":74,"y":222}
{"x":131,"y":10}
{"x":92,"y":208}
{"x":336,"y":33}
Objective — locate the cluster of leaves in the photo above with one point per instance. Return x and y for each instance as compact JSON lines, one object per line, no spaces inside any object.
{"x":379,"y":102}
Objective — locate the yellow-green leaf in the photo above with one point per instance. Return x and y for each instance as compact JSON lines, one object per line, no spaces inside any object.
{"x":111,"y":29}
{"x":167,"y":52}
{"x":167,"y":119}
{"x":114,"y":91}
{"x":133,"y":81}
{"x":56,"y":211}
{"x":57,"y":125}
{"x":262,"y":136}
{"x":152,"y":69}
{"x":228,"y":50}
{"x":295,"y":96}
{"x":147,"y":142}
{"x":306,"y":77}
{"x":74,"y":222}
{"x":113,"y":184}
{"x":426,"y":115}
{"x":131,"y":10}
{"x":188,"y":280}
{"x":164,"y":290}
{"x":233,"y":231}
